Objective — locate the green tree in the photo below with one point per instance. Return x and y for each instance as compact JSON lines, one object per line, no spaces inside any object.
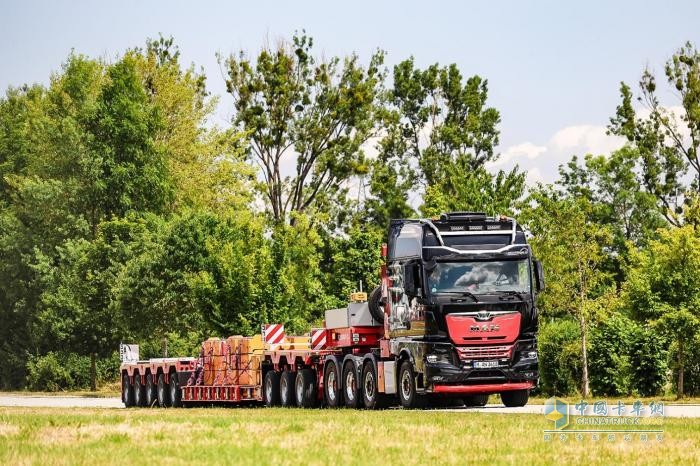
{"x":443,"y":134}
{"x":667,"y":145}
{"x":664,"y":288}
{"x":612,"y":187}
{"x":309,"y":114}
{"x":571,"y":249}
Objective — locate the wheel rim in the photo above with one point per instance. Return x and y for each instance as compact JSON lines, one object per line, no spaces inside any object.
{"x":350,"y":387}
{"x":369,"y":385}
{"x":283,"y":391}
{"x":268,"y":389}
{"x":332,"y":385}
{"x":300,"y":388}
{"x":406,"y":385}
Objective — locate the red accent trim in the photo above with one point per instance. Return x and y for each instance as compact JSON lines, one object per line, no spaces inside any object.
{"x":500,"y":329}
{"x":486,"y":388}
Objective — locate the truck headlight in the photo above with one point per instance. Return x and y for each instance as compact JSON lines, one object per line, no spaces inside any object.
{"x":528,"y":355}
{"x":438,"y":358}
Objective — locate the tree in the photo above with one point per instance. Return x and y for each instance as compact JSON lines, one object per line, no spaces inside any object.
{"x":571,"y":249}
{"x":307,"y":117}
{"x":611,"y":186}
{"x":664,"y":288}
{"x":440,"y":135}
{"x":668,"y":148}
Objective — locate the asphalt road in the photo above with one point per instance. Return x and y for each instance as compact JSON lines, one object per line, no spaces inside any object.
{"x":684,"y":410}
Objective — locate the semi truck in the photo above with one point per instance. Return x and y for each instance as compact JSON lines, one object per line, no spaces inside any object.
{"x":454,"y":317}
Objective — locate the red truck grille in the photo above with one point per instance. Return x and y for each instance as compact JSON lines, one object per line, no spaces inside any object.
{"x":485,"y":352}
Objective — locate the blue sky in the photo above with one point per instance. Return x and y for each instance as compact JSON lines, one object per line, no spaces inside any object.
{"x":553,"y":69}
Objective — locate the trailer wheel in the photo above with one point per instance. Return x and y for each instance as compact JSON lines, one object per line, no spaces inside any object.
{"x":370,"y":391}
{"x":332,"y":385}
{"x":139,"y":391}
{"x":407,"y":388}
{"x":515,"y":398}
{"x":127,"y":391}
{"x":272,"y":388}
{"x":163,"y":392}
{"x":175,"y":393}
{"x":287,"y":388}
{"x":151,"y":395}
{"x":305,"y":388}
{"x":351,"y":387}
{"x":476,"y":400}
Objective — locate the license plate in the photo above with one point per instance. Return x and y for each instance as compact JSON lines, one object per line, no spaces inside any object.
{"x":485,"y":364}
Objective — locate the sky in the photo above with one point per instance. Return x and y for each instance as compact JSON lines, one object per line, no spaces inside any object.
{"x":553,"y":68}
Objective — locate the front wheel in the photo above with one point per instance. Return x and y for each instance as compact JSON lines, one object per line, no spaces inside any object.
{"x":407,"y":388}
{"x":515,"y":398}
{"x":476,"y":400}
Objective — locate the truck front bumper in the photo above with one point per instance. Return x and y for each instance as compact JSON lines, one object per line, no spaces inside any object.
{"x":482,"y":388}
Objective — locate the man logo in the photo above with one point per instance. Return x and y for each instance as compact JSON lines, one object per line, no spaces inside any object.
{"x":483,"y":315}
{"x":557,"y":411}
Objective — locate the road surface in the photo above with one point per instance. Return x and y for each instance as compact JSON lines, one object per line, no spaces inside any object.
{"x":681,"y":410}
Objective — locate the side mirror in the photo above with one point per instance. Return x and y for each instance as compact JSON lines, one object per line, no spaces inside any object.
{"x":539,"y":276}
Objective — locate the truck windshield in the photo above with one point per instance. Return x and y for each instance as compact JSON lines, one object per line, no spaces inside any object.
{"x":480,"y":277}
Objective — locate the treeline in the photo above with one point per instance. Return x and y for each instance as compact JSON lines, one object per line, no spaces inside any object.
{"x":128,"y":215}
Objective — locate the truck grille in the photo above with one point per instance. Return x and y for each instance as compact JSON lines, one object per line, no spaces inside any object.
{"x":484,"y":352}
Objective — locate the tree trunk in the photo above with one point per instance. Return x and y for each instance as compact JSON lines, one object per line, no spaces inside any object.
{"x":681,"y":370}
{"x":93,"y":372}
{"x":585,"y":389}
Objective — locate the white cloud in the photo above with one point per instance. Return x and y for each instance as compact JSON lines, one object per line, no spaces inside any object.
{"x":525,"y":149}
{"x":591,"y":139}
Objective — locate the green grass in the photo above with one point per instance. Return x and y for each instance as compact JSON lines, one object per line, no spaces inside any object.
{"x":299,"y":437}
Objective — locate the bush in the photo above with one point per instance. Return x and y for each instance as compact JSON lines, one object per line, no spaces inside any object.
{"x":56,"y":371}
{"x":691,"y":374}
{"x":626,"y":358}
{"x":559,"y":347}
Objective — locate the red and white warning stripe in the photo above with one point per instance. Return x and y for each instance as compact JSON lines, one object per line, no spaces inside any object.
{"x":273,"y":334}
{"x":317,"y":337}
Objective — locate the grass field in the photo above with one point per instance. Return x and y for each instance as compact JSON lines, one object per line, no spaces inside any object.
{"x":300,"y":437}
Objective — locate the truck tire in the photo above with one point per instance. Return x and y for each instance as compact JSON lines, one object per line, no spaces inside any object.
{"x":271,"y":393}
{"x":139,"y":391}
{"x":175,"y":392}
{"x":163,"y":392}
{"x":332,"y":385}
{"x":287,"y":389}
{"x":127,"y":392}
{"x":151,"y":395}
{"x":515,"y":398}
{"x":305,"y":388}
{"x":371,"y":397}
{"x":375,"y":307}
{"x":408,"y":396}
{"x":352,"y":392}
{"x":476,"y":400}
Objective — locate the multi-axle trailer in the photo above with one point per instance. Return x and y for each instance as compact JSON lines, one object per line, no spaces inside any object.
{"x":454,"y":317}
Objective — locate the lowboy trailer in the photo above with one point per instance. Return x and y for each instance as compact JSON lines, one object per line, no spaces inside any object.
{"x":454,"y":317}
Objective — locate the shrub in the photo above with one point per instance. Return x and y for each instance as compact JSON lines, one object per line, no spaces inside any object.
{"x":56,"y":371}
{"x":559,"y":347}
{"x":626,"y":358}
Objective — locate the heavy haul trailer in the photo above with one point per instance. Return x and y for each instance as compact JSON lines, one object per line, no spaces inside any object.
{"x":454,"y":317}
